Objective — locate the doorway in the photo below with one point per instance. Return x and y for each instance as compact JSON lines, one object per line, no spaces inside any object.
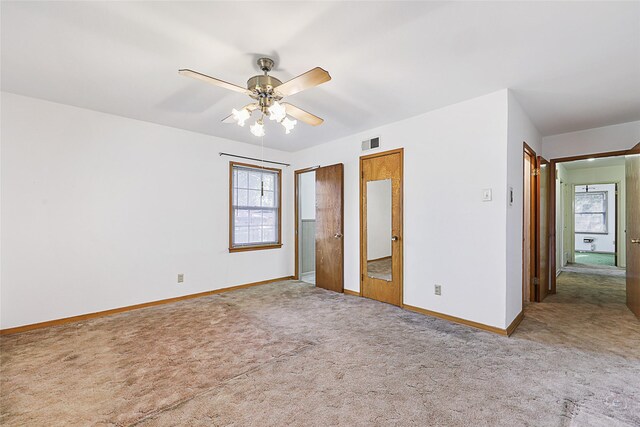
{"x":598,"y":248}
{"x":591,"y":236}
{"x":319,"y":224}
{"x":381,"y":234}
{"x":595,"y":224}
{"x":306,"y":226}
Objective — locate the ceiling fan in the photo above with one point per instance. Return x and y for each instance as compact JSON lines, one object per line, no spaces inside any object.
{"x":268,"y":91}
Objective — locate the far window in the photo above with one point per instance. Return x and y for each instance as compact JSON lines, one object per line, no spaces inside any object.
{"x":591,"y":212}
{"x":255,"y":207}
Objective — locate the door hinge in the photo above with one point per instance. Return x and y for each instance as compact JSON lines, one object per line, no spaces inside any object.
{"x":362,"y":277}
{"x":362,"y":175}
{"x":535,"y":172}
{"x":536,"y":281}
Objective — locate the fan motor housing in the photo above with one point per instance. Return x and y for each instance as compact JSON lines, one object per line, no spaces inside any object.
{"x":263,"y":84}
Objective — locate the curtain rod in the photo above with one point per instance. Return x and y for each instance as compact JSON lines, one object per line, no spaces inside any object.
{"x":253,"y":158}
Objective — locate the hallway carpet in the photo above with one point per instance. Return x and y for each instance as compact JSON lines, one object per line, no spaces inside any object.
{"x":596,"y":269}
{"x":291,"y":354}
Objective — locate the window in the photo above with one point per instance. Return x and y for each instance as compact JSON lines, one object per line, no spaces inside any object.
{"x":591,"y":212}
{"x":255,"y":207}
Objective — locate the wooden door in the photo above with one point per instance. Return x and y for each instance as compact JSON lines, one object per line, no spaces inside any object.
{"x":329,"y":228}
{"x":633,"y":230}
{"x":542,"y":220}
{"x":381,"y":277}
{"x":529,"y":226}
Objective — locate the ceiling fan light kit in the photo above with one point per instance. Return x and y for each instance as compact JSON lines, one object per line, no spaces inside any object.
{"x":240,"y":116}
{"x":257,"y":128}
{"x":267,"y":92}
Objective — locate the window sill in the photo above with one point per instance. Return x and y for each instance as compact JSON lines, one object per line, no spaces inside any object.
{"x":255,"y":248}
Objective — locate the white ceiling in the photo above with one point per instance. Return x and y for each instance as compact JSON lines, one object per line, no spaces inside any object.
{"x":595,"y":163}
{"x":572,"y":65}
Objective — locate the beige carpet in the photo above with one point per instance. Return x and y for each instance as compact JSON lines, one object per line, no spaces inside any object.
{"x":380,"y":269}
{"x":605,"y":270}
{"x":290,"y":354}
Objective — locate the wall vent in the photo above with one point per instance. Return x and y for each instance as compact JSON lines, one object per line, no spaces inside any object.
{"x":370,"y":144}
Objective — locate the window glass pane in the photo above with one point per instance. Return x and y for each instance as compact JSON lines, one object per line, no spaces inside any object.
{"x":255,"y":234}
{"x":241,"y":235}
{"x":243,"y":197}
{"x":269,"y":181}
{"x":269,"y":199}
{"x":590,"y":223}
{"x":256,"y":218}
{"x":269,"y":218}
{"x":242,"y":217}
{"x":590,"y":202}
{"x":269,"y":234}
{"x":255,"y":179}
{"x":254,"y":198}
{"x":243,"y":178}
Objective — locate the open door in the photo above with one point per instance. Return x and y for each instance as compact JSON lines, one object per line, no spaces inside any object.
{"x":329,"y":228}
{"x":632,"y":165}
{"x":541,"y":280}
{"x":529,"y":214}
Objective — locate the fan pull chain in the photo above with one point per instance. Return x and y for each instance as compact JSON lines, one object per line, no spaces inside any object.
{"x":262,"y":164}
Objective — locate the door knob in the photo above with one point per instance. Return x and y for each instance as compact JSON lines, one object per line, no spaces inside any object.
{"x":337,"y":235}
{"x":394,"y":238}
{"x":635,"y":240}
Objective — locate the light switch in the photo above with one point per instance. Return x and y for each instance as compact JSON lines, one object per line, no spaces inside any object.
{"x":486,"y":195}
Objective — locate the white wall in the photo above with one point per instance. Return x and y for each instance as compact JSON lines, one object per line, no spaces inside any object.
{"x":307,"y":191}
{"x":451,"y":154}
{"x":601,"y":242}
{"x":379,"y":219}
{"x":100,"y":211}
{"x":591,"y":141}
{"x":520,"y":129}
{"x":602,"y":175}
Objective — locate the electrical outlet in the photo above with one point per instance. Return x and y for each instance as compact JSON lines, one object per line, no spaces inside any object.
{"x":438,"y":289}
{"x":180,"y":278}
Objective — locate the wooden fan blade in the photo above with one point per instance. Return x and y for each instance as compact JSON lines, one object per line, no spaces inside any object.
{"x":303,"y":116}
{"x":212,"y":80}
{"x":310,"y":79}
{"x":250,"y":107}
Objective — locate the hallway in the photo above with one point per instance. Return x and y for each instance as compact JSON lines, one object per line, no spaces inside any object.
{"x":588,"y":312}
